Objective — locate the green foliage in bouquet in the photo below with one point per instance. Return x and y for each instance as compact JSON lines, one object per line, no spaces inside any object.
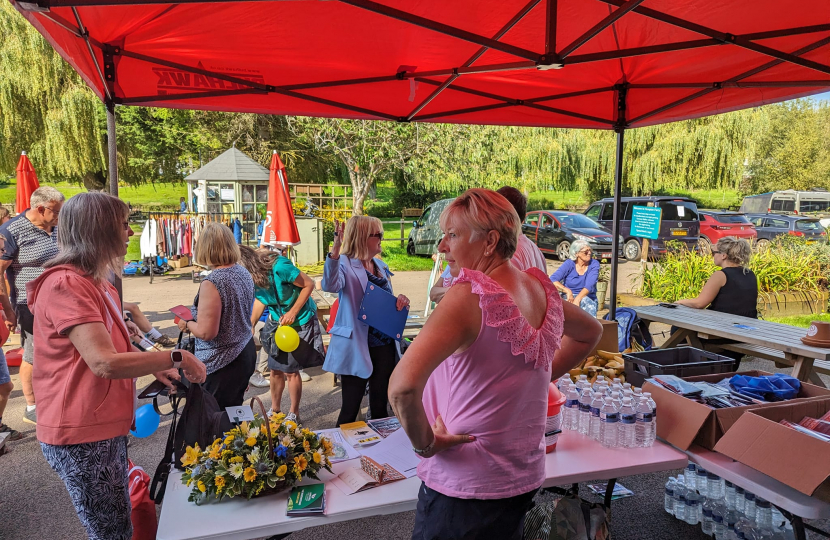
{"x":242,"y":463}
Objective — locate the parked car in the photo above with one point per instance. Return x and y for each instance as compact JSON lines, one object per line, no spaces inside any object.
{"x":789,"y":201}
{"x":426,"y":231}
{"x":769,"y":226}
{"x":717,"y":225}
{"x":678,"y":222}
{"x":554,"y":231}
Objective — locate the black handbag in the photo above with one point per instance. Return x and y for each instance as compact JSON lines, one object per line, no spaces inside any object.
{"x":201,"y":422}
{"x":186,"y":343}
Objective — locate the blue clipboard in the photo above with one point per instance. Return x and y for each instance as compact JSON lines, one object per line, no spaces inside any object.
{"x":379,"y":311}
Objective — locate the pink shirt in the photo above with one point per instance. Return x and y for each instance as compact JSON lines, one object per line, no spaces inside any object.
{"x":497,"y":391}
{"x":528,"y":255}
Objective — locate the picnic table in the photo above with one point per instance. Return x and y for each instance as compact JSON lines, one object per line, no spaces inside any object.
{"x":577,"y":458}
{"x":755,"y":337}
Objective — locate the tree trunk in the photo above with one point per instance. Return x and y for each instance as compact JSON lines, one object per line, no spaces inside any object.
{"x":96,"y":181}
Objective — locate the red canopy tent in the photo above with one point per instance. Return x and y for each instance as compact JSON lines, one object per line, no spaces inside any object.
{"x":606,"y":64}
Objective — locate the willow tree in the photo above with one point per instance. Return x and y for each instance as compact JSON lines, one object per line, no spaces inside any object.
{"x":45,"y":108}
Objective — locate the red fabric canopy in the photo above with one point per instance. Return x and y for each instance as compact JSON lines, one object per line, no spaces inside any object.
{"x":27,"y":183}
{"x":561,"y":63}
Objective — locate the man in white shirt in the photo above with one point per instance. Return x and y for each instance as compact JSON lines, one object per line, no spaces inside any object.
{"x":527,"y":253}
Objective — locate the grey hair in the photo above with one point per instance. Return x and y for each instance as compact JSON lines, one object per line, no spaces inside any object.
{"x":484,"y":210}
{"x":576,"y":247}
{"x":44,"y":195}
{"x":89,"y":234}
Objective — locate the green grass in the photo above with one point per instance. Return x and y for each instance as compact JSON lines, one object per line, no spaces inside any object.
{"x":134,"y":249}
{"x":802,"y":321}
{"x":143,"y":195}
{"x":395,"y":256}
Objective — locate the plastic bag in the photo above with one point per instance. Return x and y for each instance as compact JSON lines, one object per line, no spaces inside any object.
{"x":569,"y":518}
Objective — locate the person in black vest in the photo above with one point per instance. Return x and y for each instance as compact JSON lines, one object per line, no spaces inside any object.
{"x":733,"y":289}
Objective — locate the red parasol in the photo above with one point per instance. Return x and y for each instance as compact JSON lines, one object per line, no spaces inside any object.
{"x":280,"y":227}
{"x":26,"y":183}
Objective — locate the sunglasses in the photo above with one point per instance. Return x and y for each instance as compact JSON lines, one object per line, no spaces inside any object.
{"x":715,"y":252}
{"x":377,"y":235}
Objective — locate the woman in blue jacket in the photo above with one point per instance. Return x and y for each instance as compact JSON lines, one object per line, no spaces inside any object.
{"x":357,"y":352}
{"x":577,"y":278}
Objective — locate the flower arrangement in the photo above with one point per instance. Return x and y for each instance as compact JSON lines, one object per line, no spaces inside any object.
{"x":242,"y":463}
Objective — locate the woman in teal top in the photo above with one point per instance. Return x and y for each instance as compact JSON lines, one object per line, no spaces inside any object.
{"x":286,"y":291}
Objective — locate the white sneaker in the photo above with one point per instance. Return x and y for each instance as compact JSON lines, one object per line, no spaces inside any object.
{"x":305,"y":377}
{"x":292,"y":417}
{"x":258,"y":380}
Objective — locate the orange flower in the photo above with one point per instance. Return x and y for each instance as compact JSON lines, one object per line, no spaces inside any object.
{"x":300,"y":463}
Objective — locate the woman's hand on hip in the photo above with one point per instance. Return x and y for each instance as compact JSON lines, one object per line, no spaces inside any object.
{"x":402,"y":302}
{"x":444,"y":439}
{"x":193,"y":368}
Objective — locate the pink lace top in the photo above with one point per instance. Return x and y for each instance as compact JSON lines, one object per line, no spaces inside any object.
{"x":495,"y":390}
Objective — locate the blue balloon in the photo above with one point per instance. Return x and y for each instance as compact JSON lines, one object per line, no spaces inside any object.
{"x":146,"y":421}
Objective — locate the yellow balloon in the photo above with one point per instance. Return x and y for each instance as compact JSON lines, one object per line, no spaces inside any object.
{"x":287,"y":339}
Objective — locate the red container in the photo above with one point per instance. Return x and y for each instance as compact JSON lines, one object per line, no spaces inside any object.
{"x":554,"y":420}
{"x":14,"y":357}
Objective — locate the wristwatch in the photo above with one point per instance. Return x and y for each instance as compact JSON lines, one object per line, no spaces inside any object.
{"x":426,"y":450}
{"x":176,"y":356}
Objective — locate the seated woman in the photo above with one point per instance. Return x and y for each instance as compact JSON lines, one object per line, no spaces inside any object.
{"x":576,"y":279}
{"x":471,"y":390}
{"x":733,"y":289}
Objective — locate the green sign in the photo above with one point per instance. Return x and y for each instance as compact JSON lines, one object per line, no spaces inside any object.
{"x":645,"y":222}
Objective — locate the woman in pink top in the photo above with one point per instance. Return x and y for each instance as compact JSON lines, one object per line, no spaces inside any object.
{"x":85,"y":363}
{"x":471,"y":391}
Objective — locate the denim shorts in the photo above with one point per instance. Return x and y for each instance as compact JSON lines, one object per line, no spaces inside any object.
{"x":4,"y":369}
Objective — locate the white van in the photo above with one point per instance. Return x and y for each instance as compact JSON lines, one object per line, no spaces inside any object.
{"x":790,"y":201}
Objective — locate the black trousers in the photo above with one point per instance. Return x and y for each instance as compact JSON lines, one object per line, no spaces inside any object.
{"x":353,"y":388}
{"x":228,"y":384}
{"x":439,"y":517}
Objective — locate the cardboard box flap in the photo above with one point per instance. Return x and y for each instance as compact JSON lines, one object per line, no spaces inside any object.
{"x":793,"y":458}
{"x":679,"y":419}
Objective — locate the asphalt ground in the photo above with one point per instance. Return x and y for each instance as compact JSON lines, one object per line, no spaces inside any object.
{"x":35,"y":505}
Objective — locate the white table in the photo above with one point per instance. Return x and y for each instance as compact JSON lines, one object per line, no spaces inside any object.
{"x":576,"y":459}
{"x":799,"y":505}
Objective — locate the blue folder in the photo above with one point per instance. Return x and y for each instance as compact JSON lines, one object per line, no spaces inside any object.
{"x":379,"y":311}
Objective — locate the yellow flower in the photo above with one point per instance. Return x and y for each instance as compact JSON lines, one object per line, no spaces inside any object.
{"x":217,"y":442}
{"x":281,"y":470}
{"x":250,"y":441}
{"x":229,"y":439}
{"x":306,"y":446}
{"x":243,"y":427}
{"x":278,"y":417}
{"x":306,"y":431}
{"x":201,"y":485}
{"x":250,"y":474}
{"x":191,"y":456}
{"x":215,"y":452}
{"x":237,"y":459}
{"x":317,"y":457}
{"x":220,"y":482}
{"x":291,"y":425}
{"x":300,"y":463}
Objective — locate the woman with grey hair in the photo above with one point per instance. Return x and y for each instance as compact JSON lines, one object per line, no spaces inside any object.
{"x":85,"y":364}
{"x":577,"y":278}
{"x":471,"y":391}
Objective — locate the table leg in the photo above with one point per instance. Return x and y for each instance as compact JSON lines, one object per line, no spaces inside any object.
{"x":609,"y":491}
{"x":802,"y":366}
{"x":798,"y":528}
{"x":676,"y":338}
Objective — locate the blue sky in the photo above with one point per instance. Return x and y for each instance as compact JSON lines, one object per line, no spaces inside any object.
{"x":825,"y":96}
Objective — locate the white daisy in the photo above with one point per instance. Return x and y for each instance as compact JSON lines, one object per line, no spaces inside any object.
{"x":236,"y":470}
{"x":253,"y":432}
{"x":253,"y":457}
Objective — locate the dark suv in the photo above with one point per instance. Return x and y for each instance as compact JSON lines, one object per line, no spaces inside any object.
{"x":771,"y":225}
{"x":679,"y":221}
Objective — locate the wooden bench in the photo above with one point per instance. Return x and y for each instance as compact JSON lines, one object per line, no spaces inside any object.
{"x":758,"y":351}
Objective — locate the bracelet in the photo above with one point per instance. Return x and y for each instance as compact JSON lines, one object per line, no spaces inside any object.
{"x":426,"y":450}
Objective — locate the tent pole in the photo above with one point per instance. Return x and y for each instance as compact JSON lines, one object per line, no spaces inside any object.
{"x":111,"y":148}
{"x":619,"y":127}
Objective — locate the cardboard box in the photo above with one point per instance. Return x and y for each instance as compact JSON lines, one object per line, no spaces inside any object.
{"x":609,"y":341}
{"x":184,"y":261}
{"x":798,"y":460}
{"x":683,"y":422}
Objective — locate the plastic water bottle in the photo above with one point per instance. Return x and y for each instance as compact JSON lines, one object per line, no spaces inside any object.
{"x":739,"y":500}
{"x":730,"y":520}
{"x":718,"y":525}
{"x":729,"y":495}
{"x":690,"y":476}
{"x":707,"y":525}
{"x":692,"y":508}
{"x":749,"y":506}
{"x":596,"y":405}
{"x":628,"y":424}
{"x":617,"y":397}
{"x":571,"y":408}
{"x":598,"y":382}
{"x":627,"y":386}
{"x":763,"y":519}
{"x":651,"y":403}
{"x":715,"y":486}
{"x":637,"y":391}
{"x":668,"y":499}
{"x":702,"y":482}
{"x":609,"y":417}
{"x":643,"y":427}
{"x":680,"y":500}
{"x":582,"y":383}
{"x":584,"y":418}
{"x":616,"y":385}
